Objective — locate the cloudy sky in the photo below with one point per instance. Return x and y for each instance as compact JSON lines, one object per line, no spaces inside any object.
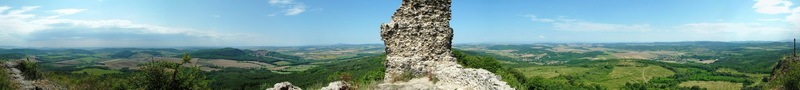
{"x":126,"y":23}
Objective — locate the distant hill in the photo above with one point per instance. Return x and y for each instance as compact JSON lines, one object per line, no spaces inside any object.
{"x":243,"y":55}
{"x":77,"y":51}
{"x":12,"y":56}
{"x":23,"y":51}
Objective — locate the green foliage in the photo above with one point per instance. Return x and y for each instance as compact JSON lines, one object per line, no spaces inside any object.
{"x":363,"y":71}
{"x":95,"y":71}
{"x":752,"y":61}
{"x":515,"y":78}
{"x":5,"y":84}
{"x":372,"y":76}
{"x":787,"y":79}
{"x":165,"y":75}
{"x":11,"y":56}
{"x":29,"y":69}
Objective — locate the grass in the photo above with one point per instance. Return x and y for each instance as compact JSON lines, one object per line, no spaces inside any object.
{"x":94,"y":71}
{"x":713,"y":85}
{"x":282,"y":63}
{"x":621,"y":75}
{"x":630,"y":74}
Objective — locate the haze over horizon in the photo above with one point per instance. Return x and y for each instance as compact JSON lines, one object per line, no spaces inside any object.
{"x":116,"y":23}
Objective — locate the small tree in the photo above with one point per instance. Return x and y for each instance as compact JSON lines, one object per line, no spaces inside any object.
{"x":29,"y":69}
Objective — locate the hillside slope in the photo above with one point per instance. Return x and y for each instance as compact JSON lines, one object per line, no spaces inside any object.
{"x":785,"y":75}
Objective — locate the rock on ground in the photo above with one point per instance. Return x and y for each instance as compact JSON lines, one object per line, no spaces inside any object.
{"x":337,"y":85}
{"x":284,"y":86}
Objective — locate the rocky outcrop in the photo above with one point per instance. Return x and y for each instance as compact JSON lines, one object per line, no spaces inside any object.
{"x":16,"y":76}
{"x":418,"y":43}
{"x":18,"y":79}
{"x":338,"y":85}
{"x":284,"y":86}
{"x":784,"y":75}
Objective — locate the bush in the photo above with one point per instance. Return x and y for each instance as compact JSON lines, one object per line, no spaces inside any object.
{"x":29,"y":69}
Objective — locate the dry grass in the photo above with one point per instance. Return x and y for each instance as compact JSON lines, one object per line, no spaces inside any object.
{"x":232,"y":63}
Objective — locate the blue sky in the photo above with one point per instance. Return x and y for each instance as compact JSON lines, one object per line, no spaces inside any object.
{"x":126,"y":23}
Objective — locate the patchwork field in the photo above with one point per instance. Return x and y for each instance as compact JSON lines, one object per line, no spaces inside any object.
{"x":713,"y":85}
{"x":232,"y":63}
{"x":66,"y":63}
{"x":551,"y":71}
{"x":623,"y":72}
{"x":621,"y":75}
{"x":120,"y":63}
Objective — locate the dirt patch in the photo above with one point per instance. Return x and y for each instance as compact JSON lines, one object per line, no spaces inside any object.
{"x":634,"y":55}
{"x":707,"y":61}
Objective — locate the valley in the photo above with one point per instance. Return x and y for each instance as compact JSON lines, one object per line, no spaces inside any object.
{"x":712,"y":65}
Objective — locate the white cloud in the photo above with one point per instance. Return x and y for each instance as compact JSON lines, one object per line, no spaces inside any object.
{"x":290,"y":6}
{"x":540,"y":36}
{"x":17,"y":27}
{"x":68,"y":11}
{"x":296,"y":9}
{"x":773,"y":6}
{"x":280,"y":2}
{"x":534,"y":18}
{"x":794,"y":18}
{"x":779,"y":7}
{"x":773,"y":19}
{"x":62,"y":12}
{"x":4,"y":8}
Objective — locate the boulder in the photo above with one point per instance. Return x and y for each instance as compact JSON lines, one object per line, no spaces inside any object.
{"x":284,"y":86}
